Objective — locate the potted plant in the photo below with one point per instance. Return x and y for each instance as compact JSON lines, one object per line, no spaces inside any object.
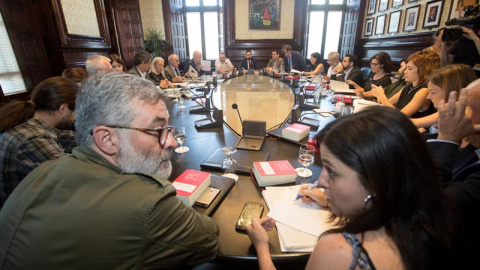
{"x":154,"y":43}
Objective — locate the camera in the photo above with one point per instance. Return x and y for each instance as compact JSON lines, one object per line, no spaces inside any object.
{"x":471,"y":20}
{"x":452,"y":34}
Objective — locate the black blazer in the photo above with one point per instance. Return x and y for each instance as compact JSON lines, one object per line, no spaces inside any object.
{"x":244,"y":65}
{"x":355,"y":75}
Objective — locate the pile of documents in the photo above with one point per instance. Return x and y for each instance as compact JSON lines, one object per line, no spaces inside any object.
{"x":299,"y":225}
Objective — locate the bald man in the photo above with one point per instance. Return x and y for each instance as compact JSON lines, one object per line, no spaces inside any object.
{"x":172,"y":73}
{"x":97,"y":63}
{"x":459,"y":167}
{"x":195,"y":62}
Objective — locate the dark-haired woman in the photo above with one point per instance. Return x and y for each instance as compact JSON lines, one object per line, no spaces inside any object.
{"x":381,"y":65}
{"x":316,"y":60}
{"x":30,"y":131}
{"x":117,"y":63}
{"x":389,"y":207}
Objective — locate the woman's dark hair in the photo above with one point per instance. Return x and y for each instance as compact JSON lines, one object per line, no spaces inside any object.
{"x":118,"y":59}
{"x":393,"y":163}
{"x":46,"y":97}
{"x":318,"y":59}
{"x":384,"y":60}
{"x":76,"y":74}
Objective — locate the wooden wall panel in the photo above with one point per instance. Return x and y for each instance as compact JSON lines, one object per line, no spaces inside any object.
{"x":261,"y":49}
{"x":70,"y":50}
{"x":26,"y":36}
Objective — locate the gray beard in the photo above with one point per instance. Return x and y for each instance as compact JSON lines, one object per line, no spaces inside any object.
{"x":130,"y":160}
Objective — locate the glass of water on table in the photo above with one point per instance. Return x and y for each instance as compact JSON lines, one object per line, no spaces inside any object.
{"x":306,"y":157}
{"x":180,"y":137}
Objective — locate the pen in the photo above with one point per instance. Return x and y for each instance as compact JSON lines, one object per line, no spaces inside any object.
{"x":314,"y":185}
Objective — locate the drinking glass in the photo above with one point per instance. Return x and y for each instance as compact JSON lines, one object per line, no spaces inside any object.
{"x":347,"y":110}
{"x":181,"y":137}
{"x":180,"y":99}
{"x":306,"y":156}
{"x":229,"y":165}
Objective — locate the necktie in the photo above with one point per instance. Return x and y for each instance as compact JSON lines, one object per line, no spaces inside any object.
{"x":248,"y":64}
{"x":289,"y":63}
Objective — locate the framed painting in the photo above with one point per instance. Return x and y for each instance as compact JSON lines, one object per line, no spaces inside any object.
{"x":382,"y":5}
{"x":411,"y":18}
{"x":371,"y":6}
{"x":433,"y":13}
{"x":264,"y":14}
{"x":394,"y":23}
{"x":397,"y":3}
{"x":368,"y":27}
{"x":380,"y":28}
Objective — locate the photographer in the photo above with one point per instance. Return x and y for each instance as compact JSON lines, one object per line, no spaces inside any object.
{"x":465,"y":48}
{"x":464,"y":51}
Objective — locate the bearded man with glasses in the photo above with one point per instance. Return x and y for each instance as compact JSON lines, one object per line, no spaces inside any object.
{"x":109,"y":205}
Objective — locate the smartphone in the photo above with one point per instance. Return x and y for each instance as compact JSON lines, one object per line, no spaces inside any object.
{"x":250,"y":210}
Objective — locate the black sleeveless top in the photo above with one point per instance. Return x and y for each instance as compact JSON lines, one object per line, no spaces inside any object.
{"x":408,"y":92}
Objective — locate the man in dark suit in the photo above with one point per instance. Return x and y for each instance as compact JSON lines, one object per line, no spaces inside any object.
{"x":248,"y":62}
{"x":172,"y":73}
{"x":293,"y":59}
{"x":351,"y":71}
{"x":195,"y":62}
{"x":141,"y":64}
{"x":459,"y":168}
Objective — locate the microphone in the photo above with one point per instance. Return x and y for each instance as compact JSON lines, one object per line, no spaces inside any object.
{"x":235,"y":107}
{"x":201,"y":107}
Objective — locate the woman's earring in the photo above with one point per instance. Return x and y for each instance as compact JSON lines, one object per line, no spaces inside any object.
{"x":367,"y":199}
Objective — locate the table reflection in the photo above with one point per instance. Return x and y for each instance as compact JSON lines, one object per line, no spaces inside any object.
{"x":259,"y":98}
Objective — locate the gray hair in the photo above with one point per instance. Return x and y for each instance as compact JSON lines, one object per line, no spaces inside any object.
{"x":154,"y":62}
{"x":106,"y":99}
{"x":170,"y":57}
{"x":96,"y":63}
{"x":335,"y":55}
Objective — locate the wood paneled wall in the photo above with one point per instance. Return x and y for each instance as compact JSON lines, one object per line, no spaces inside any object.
{"x":69,"y":50}
{"x":398,"y":47}
{"x":262,"y":49}
{"x":26,"y":37}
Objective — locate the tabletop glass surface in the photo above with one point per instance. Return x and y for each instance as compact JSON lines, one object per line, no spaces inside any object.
{"x":259,"y":98}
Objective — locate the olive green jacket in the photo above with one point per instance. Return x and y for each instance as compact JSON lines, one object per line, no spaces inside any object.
{"x":81,"y":212}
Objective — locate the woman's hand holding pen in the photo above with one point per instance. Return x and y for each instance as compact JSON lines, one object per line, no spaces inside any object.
{"x":314,"y":195}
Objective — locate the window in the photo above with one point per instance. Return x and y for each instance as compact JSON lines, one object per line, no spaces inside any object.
{"x":11,"y":78}
{"x":328,"y":13}
{"x":203,"y":22}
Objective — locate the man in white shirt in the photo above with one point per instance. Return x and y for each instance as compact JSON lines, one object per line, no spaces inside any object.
{"x":223,"y":64}
{"x":335,"y":66}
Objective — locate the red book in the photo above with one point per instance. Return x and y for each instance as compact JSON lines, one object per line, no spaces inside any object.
{"x":296,"y":132}
{"x":190,"y":185}
{"x":268,"y":173}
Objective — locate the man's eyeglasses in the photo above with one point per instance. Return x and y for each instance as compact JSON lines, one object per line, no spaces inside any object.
{"x":162,"y":132}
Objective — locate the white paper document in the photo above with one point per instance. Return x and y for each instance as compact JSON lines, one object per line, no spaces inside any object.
{"x":291,"y":240}
{"x":206,"y":65}
{"x":341,"y":87}
{"x":310,"y":219}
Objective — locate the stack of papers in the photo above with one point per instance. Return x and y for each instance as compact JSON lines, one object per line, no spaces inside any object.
{"x":299,"y":225}
{"x":341,"y":87}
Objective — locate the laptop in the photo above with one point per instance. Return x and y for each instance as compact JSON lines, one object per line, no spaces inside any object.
{"x":253,"y":135}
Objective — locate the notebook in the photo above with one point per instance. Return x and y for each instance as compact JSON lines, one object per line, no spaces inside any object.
{"x":244,"y":160}
{"x":253,"y":135}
